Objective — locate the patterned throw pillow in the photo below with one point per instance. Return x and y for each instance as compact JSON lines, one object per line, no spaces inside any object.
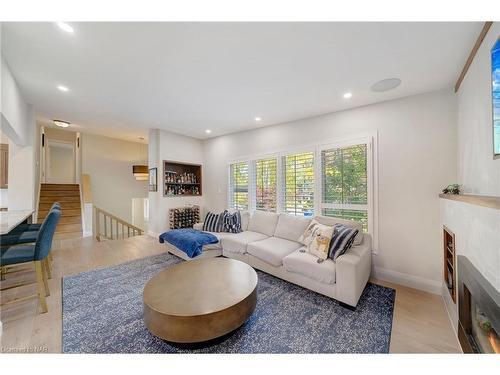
{"x":214,"y":222}
{"x":343,"y":238}
{"x":317,"y":239}
{"x":232,"y":222}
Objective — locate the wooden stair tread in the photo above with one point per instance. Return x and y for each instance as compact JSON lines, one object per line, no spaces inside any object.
{"x":48,"y":199}
{"x":59,"y":186}
{"x":65,"y":213}
{"x":68,"y":228}
{"x":45,"y":206}
{"x":60,"y":193}
{"x":65,"y":220}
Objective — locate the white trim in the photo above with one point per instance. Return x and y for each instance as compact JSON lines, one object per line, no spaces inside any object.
{"x":411,"y":281}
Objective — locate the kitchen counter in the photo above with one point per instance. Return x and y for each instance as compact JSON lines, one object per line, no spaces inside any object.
{"x":11,"y":219}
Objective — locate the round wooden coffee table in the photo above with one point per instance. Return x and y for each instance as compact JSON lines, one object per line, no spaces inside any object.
{"x":200,"y":300}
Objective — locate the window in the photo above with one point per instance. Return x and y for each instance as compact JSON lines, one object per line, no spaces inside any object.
{"x":265,"y":184}
{"x":298,"y":184}
{"x":238,"y":186}
{"x":344,"y":187}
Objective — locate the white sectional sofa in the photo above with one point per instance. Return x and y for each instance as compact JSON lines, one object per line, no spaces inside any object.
{"x":269,"y":242}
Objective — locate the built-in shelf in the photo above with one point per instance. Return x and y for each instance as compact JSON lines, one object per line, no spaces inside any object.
{"x":449,"y":274}
{"x":478,"y":200}
{"x":181,"y":179}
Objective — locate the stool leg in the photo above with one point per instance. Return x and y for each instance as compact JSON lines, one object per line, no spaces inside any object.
{"x":45,"y":272}
{"x":47,"y":268}
{"x":40,"y":284}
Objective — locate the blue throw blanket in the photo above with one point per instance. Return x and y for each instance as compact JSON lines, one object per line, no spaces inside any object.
{"x":189,"y":240}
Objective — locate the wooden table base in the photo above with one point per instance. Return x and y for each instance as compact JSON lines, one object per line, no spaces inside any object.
{"x":200,"y":300}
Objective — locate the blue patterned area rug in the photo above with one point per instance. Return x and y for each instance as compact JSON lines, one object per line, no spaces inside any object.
{"x":102,"y":313}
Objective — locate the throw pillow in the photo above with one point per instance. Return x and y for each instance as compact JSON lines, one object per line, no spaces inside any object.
{"x":343,"y":238}
{"x":317,"y":238}
{"x":214,"y":222}
{"x":232,"y":222}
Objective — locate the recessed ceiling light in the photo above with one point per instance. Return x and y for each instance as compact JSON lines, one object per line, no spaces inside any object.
{"x":208,"y":131}
{"x":347,"y":95}
{"x":258,"y":119}
{"x":64,"y":26}
{"x":386,"y":84}
{"x":61,"y":123}
{"x":62,"y":88}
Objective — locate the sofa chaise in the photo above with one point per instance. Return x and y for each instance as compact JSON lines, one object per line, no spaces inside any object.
{"x":270,"y":242}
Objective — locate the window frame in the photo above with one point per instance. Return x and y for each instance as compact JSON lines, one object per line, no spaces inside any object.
{"x":230,"y":189}
{"x":254,"y":182}
{"x":371,"y":176}
{"x":370,"y":138}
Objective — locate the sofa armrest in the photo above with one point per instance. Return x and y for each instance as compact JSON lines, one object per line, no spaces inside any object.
{"x":352,"y":273}
{"x":198,"y":226}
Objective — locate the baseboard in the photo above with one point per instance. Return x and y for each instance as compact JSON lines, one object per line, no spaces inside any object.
{"x":411,"y":281}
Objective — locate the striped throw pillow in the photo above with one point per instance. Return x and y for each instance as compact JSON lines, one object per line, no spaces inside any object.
{"x":232,"y":222}
{"x":214,"y":222}
{"x":342,"y":240}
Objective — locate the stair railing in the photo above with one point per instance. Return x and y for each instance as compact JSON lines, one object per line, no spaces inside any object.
{"x":111,"y":226}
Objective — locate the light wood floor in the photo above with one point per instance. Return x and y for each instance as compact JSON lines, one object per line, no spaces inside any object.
{"x":420,"y":325}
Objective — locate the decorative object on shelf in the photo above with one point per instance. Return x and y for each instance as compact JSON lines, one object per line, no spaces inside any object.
{"x":452,"y":189}
{"x":153,"y":179}
{"x":181,"y":179}
{"x":184,"y":217}
{"x":495,"y":95}
{"x":140,"y":172}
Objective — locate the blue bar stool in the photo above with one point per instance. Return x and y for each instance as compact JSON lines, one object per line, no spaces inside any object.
{"x":36,"y":253}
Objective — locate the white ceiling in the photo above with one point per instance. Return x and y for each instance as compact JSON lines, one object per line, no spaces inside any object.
{"x":125,"y":78}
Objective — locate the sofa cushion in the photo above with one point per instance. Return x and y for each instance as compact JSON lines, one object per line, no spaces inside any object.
{"x":328,"y":220}
{"x":263,"y":222}
{"x":245,"y":220}
{"x":291,"y":227}
{"x":218,"y":245}
{"x":237,"y":243}
{"x":306,"y":264}
{"x":317,"y":239}
{"x":272,"y":250}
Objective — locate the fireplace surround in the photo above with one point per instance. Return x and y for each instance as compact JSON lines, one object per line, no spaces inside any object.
{"x":479,"y":310}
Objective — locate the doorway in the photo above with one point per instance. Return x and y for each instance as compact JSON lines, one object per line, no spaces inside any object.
{"x":60,"y":162}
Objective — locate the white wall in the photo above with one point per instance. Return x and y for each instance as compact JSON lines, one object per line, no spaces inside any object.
{"x":478,"y":172}
{"x":476,"y":229}
{"x":109,"y":163}
{"x":174,"y":147}
{"x":14,"y":109}
{"x":4,"y":198}
{"x":416,"y":158}
{"x":18,"y":124}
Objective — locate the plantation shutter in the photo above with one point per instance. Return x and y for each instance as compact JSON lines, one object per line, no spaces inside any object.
{"x":264,"y":181}
{"x":344,"y":185}
{"x":238,"y":186}
{"x":298,"y":184}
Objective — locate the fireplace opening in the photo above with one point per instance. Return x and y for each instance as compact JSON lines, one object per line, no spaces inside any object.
{"x":479,"y":311}
{"x":483,"y":334}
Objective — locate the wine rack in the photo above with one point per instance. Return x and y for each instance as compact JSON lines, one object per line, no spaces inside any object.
{"x":184,"y":217}
{"x":181,"y":179}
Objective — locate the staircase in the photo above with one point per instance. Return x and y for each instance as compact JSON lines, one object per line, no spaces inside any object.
{"x":68,"y":195}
